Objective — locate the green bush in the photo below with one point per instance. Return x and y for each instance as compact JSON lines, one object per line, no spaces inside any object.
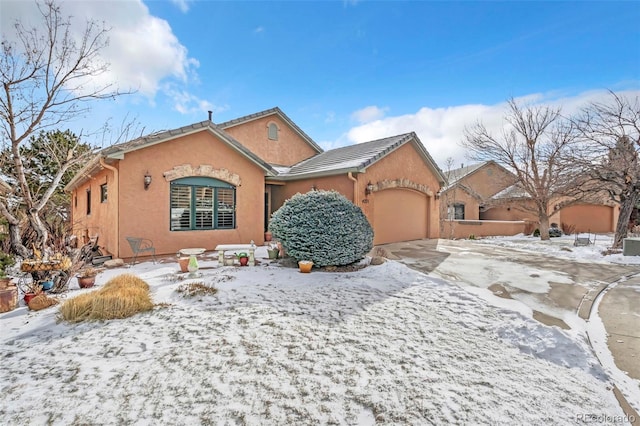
{"x":324,"y":227}
{"x":536,"y":232}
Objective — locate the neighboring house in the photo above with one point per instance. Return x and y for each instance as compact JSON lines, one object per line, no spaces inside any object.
{"x":208,"y":184}
{"x":483,"y":199}
{"x":470,"y":188}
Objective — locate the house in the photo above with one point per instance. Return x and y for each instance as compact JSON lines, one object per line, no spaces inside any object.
{"x":483,"y":199}
{"x":207,"y":184}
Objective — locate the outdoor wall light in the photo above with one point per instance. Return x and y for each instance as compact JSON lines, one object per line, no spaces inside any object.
{"x":147,"y":180}
{"x":369,"y":189}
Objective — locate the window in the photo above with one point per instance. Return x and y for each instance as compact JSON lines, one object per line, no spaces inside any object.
{"x":89,"y":201}
{"x":458,"y":211}
{"x":199,"y":203}
{"x":455,"y":212}
{"x":273,"y":131}
{"x":103,"y":193}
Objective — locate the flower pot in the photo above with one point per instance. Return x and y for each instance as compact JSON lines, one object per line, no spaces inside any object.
{"x":229,"y":260}
{"x":244,"y":261}
{"x":47,"y":285}
{"x":184,"y":264}
{"x":28,"y":297}
{"x":267,"y":236}
{"x":86,"y":282}
{"x":273,"y":253}
{"x":8,"y":298}
{"x":305,"y":266}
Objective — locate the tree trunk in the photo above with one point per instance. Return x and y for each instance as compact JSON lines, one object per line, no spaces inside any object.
{"x":544,"y":226}
{"x":42,"y":233}
{"x":626,"y":208}
{"x":16,"y":241}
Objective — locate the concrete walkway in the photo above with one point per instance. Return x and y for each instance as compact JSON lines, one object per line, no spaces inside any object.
{"x":572,"y":288}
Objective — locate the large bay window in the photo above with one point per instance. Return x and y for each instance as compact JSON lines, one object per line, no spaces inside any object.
{"x":199,"y":203}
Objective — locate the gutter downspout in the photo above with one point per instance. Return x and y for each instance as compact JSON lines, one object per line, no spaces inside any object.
{"x":116,"y":179}
{"x":356,"y":201}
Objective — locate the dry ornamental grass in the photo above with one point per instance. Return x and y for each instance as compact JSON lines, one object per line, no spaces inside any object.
{"x":121,"y":297}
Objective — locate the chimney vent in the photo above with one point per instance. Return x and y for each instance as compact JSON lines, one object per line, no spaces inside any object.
{"x":210,"y":115}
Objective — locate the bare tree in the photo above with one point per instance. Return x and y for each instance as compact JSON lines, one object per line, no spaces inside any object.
{"x":48,"y":78}
{"x":609,"y":154}
{"x":533,"y":145}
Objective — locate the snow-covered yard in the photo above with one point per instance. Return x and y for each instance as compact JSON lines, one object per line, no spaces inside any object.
{"x":385,"y":344}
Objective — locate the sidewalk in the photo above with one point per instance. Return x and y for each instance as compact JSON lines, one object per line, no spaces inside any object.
{"x":620,"y":313}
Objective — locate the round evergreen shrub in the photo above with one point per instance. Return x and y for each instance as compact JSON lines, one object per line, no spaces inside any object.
{"x":322,"y":226}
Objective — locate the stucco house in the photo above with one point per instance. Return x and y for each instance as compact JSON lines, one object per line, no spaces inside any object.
{"x":207,"y":184}
{"x":483,"y":199}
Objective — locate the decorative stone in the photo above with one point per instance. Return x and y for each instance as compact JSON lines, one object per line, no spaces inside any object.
{"x":205,"y":170}
{"x":113,"y":263}
{"x":377,"y":260}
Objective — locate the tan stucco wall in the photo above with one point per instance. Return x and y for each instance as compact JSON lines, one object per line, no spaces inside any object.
{"x":146,"y":213}
{"x":281,"y":193}
{"x":289,"y":149}
{"x":458,"y":195}
{"x":483,"y":228}
{"x":488,"y":180}
{"x":103,"y":215}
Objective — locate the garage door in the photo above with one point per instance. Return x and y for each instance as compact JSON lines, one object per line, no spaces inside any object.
{"x":399,"y":215}
{"x":588,"y":218}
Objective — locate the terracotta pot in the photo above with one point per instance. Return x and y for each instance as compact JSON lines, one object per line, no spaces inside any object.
{"x":5,"y":282}
{"x":184,"y":264}
{"x":8,"y":298}
{"x":305,"y":266}
{"x":86,"y":282}
{"x":28,"y":297}
{"x":267,"y":236}
{"x":244,"y":261}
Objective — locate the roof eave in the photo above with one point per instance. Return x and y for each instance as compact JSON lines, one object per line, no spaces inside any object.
{"x":325,"y":173}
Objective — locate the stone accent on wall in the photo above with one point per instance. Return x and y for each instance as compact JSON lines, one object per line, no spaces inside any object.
{"x":402,"y":183}
{"x":206,"y":170}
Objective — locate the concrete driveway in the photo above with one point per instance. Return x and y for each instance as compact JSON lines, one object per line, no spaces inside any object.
{"x":554,"y":289}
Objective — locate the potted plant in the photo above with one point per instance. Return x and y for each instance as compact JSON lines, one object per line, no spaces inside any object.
{"x":87,"y":277}
{"x":243,"y":258}
{"x":273,"y":252}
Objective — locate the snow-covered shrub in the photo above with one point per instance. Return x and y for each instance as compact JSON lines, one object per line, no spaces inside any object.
{"x":322,"y":226}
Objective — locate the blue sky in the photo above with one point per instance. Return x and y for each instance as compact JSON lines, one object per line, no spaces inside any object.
{"x":352,"y":71}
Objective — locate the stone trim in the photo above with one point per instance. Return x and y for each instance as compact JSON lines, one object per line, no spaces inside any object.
{"x":206,"y":170}
{"x":402,"y":183}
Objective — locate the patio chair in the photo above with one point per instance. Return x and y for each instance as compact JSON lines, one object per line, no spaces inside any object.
{"x":581,"y":241}
{"x":141,"y":246}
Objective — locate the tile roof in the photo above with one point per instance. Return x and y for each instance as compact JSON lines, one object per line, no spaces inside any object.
{"x":455,"y":175}
{"x":356,"y":158}
{"x":265,"y":113}
{"x":119,"y":150}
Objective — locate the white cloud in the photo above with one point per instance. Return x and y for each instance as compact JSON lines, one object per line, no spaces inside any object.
{"x":183,"y":5}
{"x":142,"y":52}
{"x":368,"y":114}
{"x":441,"y":129}
{"x":259,"y":30}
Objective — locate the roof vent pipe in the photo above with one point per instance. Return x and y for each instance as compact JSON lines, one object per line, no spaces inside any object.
{"x":210,"y":115}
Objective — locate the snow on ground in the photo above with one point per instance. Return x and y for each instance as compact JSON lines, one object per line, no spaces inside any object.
{"x":563,"y":247}
{"x":385,"y":344}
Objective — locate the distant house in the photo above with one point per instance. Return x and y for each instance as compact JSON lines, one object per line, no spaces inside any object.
{"x":207,"y":184}
{"x":483,"y":199}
